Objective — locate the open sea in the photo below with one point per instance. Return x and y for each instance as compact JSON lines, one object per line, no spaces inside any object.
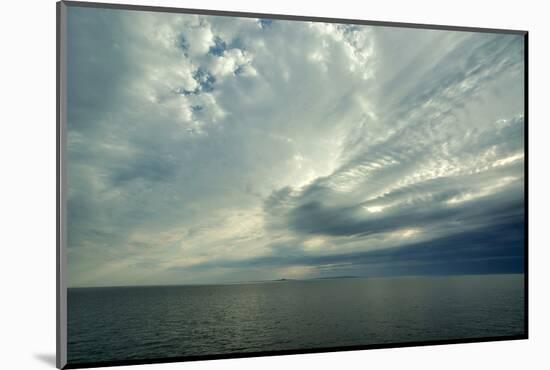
{"x":134,"y":323}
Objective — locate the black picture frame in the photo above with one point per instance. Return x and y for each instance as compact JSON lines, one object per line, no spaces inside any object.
{"x":61,"y":201}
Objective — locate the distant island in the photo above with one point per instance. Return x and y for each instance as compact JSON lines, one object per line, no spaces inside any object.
{"x":319,"y":278}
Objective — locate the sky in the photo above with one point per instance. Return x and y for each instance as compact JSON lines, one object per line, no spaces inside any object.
{"x":206,"y":149}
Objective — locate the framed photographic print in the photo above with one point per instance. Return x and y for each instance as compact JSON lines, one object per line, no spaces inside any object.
{"x":236,"y":184}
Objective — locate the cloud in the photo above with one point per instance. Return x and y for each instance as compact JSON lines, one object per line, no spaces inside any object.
{"x":489,"y":250}
{"x":211,"y":149}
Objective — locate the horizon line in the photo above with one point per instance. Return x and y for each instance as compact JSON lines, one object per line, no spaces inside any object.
{"x":275,"y":280}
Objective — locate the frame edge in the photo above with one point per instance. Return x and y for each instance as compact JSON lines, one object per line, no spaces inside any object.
{"x":61,"y":291}
{"x":287,"y":17}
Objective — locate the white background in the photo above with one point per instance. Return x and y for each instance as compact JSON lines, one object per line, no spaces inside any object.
{"x":27,"y":167}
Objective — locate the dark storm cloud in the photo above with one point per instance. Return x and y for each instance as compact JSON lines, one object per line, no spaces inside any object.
{"x":496,"y":248}
{"x":422,"y":205}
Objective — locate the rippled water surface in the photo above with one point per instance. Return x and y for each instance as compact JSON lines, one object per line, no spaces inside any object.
{"x":106,"y":324}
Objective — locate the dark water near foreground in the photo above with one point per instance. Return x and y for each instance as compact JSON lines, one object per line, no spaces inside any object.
{"x":153,"y":322}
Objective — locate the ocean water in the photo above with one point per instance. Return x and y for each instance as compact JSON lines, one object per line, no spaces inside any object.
{"x":132,"y":323}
